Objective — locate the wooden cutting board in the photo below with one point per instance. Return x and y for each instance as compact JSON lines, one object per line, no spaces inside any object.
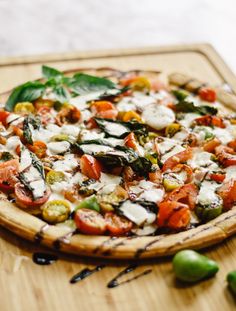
{"x":27,"y":286}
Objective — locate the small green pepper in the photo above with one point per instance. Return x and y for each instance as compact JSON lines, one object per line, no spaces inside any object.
{"x":90,"y":203}
{"x":190,"y":266}
{"x":208,"y":212}
{"x":180,"y":94}
{"x":171,"y":182}
{"x":231,"y":279}
{"x":60,"y":137}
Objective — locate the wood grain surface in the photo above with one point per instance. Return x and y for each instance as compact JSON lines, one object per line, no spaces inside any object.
{"x":27,"y":286}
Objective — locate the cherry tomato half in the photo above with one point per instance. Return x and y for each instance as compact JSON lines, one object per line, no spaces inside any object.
{"x":89,"y":221}
{"x":207,"y":94}
{"x":90,"y":166}
{"x":24,"y":197}
{"x":117,"y":225}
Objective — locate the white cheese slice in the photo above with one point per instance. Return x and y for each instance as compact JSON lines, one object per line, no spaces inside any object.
{"x":67,"y":164}
{"x":71,"y":130}
{"x":136,"y":213}
{"x":58,"y":147}
{"x":207,"y":193}
{"x":38,"y":188}
{"x":188,"y":119}
{"x":158,"y":116}
{"x":230,"y":173}
{"x":25,"y":159}
{"x":224,"y":135}
{"x":12,"y":143}
{"x":94,"y":148}
{"x":202,"y":159}
{"x":152,"y":195}
{"x":126,"y":104}
{"x":146,"y":230}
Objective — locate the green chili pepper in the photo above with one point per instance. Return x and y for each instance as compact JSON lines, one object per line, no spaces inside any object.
{"x":190,"y":266}
{"x":90,"y":203}
{"x":231,"y":279}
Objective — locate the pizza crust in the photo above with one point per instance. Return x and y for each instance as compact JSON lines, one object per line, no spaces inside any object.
{"x":34,"y":229}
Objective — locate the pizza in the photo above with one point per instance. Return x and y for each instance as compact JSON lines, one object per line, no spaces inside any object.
{"x":118,"y":162}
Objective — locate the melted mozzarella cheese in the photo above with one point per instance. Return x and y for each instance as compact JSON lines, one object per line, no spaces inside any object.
{"x":25,"y":159}
{"x":146,"y":190}
{"x":202,"y":159}
{"x":223,"y":135}
{"x":12,"y":143}
{"x":67,"y":164}
{"x":230,"y":173}
{"x":94,"y":148}
{"x":38,"y":188}
{"x":207,"y":193}
{"x":188,"y":119}
{"x":146,"y":230}
{"x":58,"y":147}
{"x":126,"y":104}
{"x":158,"y":116}
{"x":115,"y":129}
{"x":136,"y":213}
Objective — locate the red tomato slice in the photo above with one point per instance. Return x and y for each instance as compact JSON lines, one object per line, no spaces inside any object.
{"x":225,"y":155}
{"x":210,"y":121}
{"x":211,"y":145}
{"x":90,"y":166}
{"x":186,"y":194}
{"x":218,"y":177}
{"x":3,"y":117}
{"x":89,"y":221}
{"x":174,"y":215}
{"x":228,"y":193}
{"x":180,"y":157}
{"x":8,"y":172}
{"x":130,"y":141}
{"x":117,"y":225}
{"x":25,"y":199}
{"x":232,"y":144}
{"x":187,"y":169}
{"x":207,"y":94}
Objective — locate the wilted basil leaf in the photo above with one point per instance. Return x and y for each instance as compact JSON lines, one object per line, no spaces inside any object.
{"x":49,"y":72}
{"x":185,"y":106}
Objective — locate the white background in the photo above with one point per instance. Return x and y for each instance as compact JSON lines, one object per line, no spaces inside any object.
{"x":42,"y":26}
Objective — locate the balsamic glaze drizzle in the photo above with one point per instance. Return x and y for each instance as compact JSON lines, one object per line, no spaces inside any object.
{"x":44,"y":258}
{"x":114,"y":282}
{"x":85,"y":273}
{"x":39,"y":235}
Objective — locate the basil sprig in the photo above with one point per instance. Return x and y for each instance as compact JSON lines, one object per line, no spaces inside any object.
{"x":63,"y":87}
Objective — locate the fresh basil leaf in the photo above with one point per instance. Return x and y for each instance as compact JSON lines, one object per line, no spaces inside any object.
{"x":180,"y":94}
{"x":35,"y":122}
{"x":120,"y":129}
{"x":142,"y":166}
{"x":49,"y":72}
{"x":28,"y":91}
{"x":82,"y":84}
{"x":37,"y":164}
{"x":185,"y":106}
{"x":61,"y":93}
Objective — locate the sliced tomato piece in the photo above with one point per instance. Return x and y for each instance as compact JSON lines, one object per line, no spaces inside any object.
{"x":228,"y":193}
{"x":3,"y":117}
{"x":179,"y":168}
{"x":90,"y":166}
{"x":91,"y":124}
{"x":39,"y":148}
{"x":232,"y":144}
{"x":104,"y":109}
{"x":207,"y":94}
{"x":130,"y":141}
{"x":24,"y":197}
{"x":89,"y":221}
{"x":117,"y":225}
{"x":174,"y":215}
{"x":225,"y":155}
{"x":180,"y":157}
{"x":8,"y":173}
{"x":218,"y":177}
{"x":211,"y":145}
{"x":209,"y":120}
{"x":186,"y":194}
{"x":156,"y":177}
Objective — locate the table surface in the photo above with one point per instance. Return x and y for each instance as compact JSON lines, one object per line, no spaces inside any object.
{"x":27,"y":286}
{"x":64,"y":25}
